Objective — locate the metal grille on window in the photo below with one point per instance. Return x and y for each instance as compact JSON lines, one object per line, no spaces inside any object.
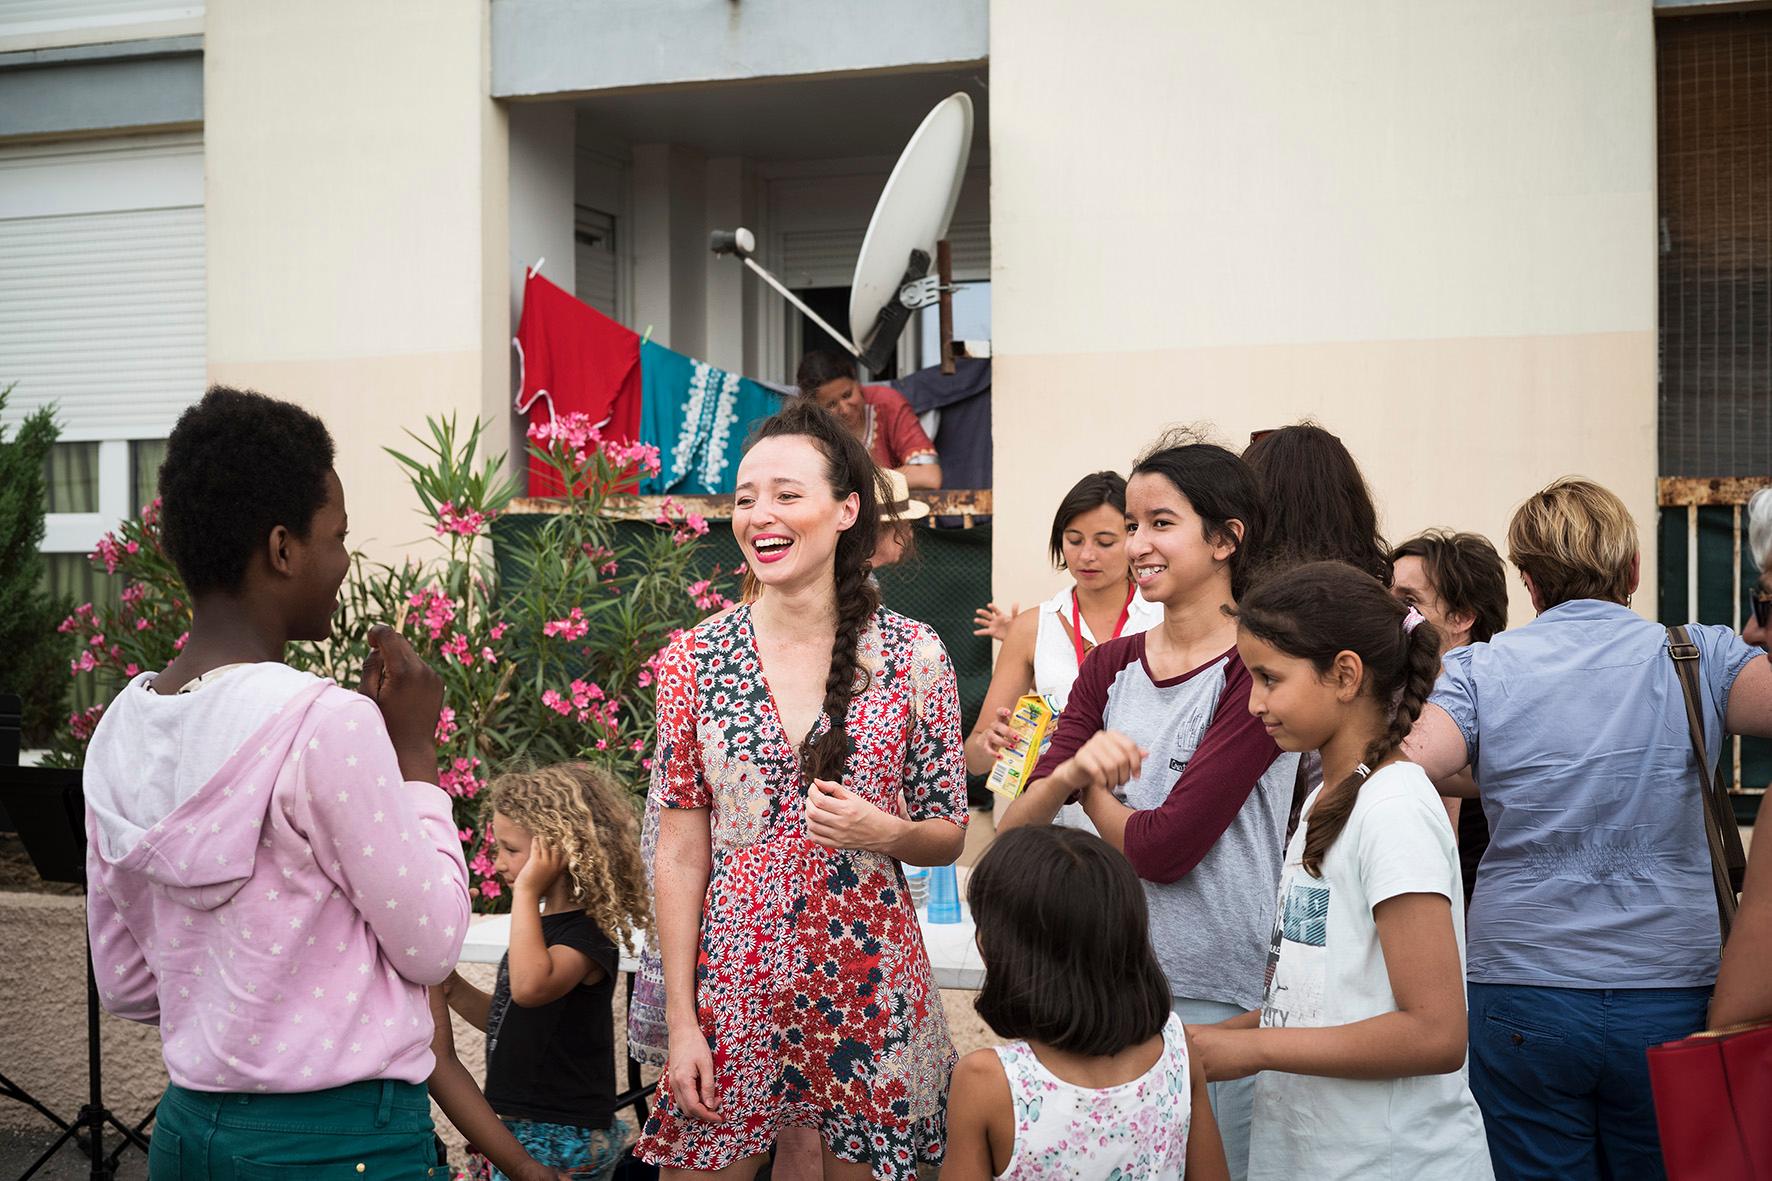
{"x":1714,"y":81}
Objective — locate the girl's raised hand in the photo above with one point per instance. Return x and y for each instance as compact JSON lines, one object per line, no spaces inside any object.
{"x":837,"y":818}
{"x":542,"y":870}
{"x":991,"y":620}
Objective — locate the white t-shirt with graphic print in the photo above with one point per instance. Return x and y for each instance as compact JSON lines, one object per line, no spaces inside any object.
{"x":1325,"y":968}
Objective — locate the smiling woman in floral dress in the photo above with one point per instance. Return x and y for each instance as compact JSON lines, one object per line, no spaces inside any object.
{"x":797,"y":988}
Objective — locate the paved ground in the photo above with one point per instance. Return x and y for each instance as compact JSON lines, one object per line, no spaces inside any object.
{"x":19,"y":1149}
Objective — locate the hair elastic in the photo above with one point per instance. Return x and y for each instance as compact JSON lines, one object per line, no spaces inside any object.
{"x":1363,"y":771}
{"x":1412,"y":620}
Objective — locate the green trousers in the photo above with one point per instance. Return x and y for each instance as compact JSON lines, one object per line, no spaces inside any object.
{"x":376,"y":1129}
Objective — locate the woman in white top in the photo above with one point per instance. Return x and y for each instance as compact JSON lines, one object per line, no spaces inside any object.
{"x":1043,"y":649}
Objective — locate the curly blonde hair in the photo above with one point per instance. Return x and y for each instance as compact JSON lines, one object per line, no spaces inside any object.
{"x":583,"y":812}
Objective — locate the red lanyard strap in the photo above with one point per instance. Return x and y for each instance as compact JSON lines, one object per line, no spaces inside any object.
{"x":1077,"y":622}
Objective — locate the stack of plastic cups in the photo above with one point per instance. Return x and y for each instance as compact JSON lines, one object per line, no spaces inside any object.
{"x":944,"y":895}
{"x":917,"y":879}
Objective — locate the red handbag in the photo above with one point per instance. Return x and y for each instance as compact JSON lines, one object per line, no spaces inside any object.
{"x":1713,"y":1090}
{"x":1713,"y":1102}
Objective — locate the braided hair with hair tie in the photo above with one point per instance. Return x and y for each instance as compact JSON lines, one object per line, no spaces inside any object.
{"x":1315,"y":612}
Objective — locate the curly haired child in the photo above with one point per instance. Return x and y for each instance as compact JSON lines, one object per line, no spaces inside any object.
{"x":568,"y":847}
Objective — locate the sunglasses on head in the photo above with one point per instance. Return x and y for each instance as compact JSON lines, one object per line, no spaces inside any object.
{"x":1762,"y":602}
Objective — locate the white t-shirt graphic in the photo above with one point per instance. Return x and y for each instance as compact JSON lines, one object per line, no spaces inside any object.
{"x":1325,"y":967}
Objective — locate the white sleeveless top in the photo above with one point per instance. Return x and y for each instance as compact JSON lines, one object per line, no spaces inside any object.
{"x":1136,"y":1131}
{"x":1055,"y":665}
{"x":1055,"y":655}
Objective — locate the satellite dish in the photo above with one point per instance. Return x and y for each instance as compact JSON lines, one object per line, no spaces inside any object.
{"x":912,"y":215}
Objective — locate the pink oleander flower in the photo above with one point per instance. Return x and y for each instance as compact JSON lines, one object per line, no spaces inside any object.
{"x":459,"y":780}
{"x":573,"y":627}
{"x":131,"y":669}
{"x":83,"y":664}
{"x":178,"y":645}
{"x":132,"y":547}
{"x":446,"y":726}
{"x":464,"y":521}
{"x":142,"y":625}
{"x":552,"y":699}
{"x":456,"y":648}
{"x":81,"y":724}
{"x":608,"y":569}
{"x":644,"y":678}
{"x":489,"y":656}
{"x":108,"y":552}
{"x":668,"y":511}
{"x":498,"y":631}
{"x":434,"y":610}
{"x":490,"y":888}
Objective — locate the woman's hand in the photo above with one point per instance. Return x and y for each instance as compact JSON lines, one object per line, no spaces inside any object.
{"x":691,"y":1071}
{"x":542,"y":870}
{"x":991,"y":620}
{"x":534,"y":1170}
{"x":998,"y":738}
{"x":1226,"y":1053}
{"x":837,"y":818}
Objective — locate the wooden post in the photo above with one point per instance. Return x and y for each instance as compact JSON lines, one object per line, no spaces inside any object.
{"x":944,"y":271}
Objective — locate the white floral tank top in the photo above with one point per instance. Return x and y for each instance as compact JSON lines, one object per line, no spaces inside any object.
{"x":1136,"y":1131}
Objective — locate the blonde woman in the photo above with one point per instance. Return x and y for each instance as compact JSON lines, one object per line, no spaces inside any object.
{"x":568,"y":847}
{"x":1595,"y":933}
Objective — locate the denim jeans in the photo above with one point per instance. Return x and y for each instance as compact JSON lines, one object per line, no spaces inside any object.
{"x":367,"y":1129}
{"x":1233,"y":1103}
{"x":1562,"y":1077}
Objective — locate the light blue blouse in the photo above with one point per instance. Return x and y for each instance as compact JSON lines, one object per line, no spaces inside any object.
{"x":1597,"y":873}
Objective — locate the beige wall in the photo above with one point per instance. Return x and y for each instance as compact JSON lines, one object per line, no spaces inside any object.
{"x":1429,"y":225}
{"x":357,"y":231}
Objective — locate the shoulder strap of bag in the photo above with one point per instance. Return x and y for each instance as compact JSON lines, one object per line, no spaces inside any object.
{"x":1726,"y":857}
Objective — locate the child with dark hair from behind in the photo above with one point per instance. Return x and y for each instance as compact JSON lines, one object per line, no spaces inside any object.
{"x":1359,"y":1046}
{"x":1098,"y":1081}
{"x":568,"y":847}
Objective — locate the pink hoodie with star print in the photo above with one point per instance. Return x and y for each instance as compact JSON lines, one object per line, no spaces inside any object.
{"x":265,"y":886}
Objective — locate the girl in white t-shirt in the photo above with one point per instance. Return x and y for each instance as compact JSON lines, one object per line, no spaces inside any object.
{"x":1361,"y":1038}
{"x":1098,"y":1081}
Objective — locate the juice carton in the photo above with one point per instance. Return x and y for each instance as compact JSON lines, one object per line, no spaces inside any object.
{"x":1029,"y":722}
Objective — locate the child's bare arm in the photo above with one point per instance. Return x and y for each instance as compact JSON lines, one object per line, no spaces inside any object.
{"x":473,"y":1004}
{"x":1426,"y":1035}
{"x":1205,"y":1149}
{"x":541,"y":973}
{"x":978,"y":1099}
{"x":459,"y":1096}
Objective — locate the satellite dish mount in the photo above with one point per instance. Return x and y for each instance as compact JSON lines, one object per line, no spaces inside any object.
{"x":907,"y":232}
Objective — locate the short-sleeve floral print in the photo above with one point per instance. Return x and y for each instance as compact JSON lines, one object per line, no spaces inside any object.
{"x":813,"y":987}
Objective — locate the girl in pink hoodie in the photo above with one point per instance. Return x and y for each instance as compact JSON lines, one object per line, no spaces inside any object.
{"x":274,"y":876}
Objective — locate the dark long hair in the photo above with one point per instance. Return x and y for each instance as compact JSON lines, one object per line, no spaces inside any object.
{"x":1221,"y":489}
{"x":1467,"y":575}
{"x":849,"y":470}
{"x":1318,"y":506}
{"x":1065,"y":936}
{"x":1086,"y":495}
{"x":1320,"y":609}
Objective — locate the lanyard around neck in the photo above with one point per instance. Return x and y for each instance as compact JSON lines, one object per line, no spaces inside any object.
{"x":1077,"y":622}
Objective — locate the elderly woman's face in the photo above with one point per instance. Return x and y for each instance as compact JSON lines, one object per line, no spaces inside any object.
{"x":1752,"y":630}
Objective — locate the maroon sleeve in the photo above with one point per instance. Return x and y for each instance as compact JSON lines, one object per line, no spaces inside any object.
{"x":1165,"y":843}
{"x":1085,"y":713}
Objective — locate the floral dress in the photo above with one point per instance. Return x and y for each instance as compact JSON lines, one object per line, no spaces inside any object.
{"x":812,"y":984}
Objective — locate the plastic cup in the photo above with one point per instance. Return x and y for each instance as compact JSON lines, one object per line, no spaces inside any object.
{"x":944,"y":895}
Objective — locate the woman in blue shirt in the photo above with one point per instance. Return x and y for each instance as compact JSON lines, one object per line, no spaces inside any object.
{"x":1596,"y":933}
